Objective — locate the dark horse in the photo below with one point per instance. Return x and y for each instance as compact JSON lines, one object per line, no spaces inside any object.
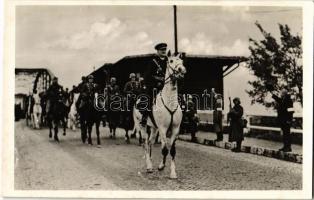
{"x":113,"y":115}
{"x":127,"y":122}
{"x":56,"y":114}
{"x":89,"y":115}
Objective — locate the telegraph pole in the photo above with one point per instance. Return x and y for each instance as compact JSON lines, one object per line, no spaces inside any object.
{"x":175,"y":30}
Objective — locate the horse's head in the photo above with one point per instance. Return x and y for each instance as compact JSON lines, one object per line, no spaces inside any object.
{"x":176,"y":67}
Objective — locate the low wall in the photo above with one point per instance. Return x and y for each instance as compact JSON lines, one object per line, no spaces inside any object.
{"x":259,"y":126}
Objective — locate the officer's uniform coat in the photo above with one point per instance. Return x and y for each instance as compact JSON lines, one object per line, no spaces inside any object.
{"x":217,"y":116}
{"x":236,"y":127}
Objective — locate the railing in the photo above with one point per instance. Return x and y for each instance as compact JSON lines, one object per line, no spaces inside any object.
{"x":206,"y":118}
{"x":42,"y":78}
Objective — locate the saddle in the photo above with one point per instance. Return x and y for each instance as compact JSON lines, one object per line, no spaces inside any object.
{"x":151,"y":120}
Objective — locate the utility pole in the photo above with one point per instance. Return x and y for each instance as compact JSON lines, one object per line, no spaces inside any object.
{"x":175,"y":30}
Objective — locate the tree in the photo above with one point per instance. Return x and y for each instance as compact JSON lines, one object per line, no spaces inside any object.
{"x":275,"y":65}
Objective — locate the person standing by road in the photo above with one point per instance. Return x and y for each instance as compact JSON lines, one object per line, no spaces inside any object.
{"x":192,"y":119}
{"x":284,"y":106}
{"x":236,"y":124}
{"x":217,"y":120}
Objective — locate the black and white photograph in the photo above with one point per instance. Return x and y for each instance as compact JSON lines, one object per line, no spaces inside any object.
{"x":158,"y":100}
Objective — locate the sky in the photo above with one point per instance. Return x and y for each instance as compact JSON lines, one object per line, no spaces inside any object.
{"x":73,"y":40}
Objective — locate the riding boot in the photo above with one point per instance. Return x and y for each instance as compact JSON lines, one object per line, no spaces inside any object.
{"x":193,"y":137}
{"x":238,"y":147}
{"x":90,"y":141}
{"x":144,"y":118}
{"x":56,"y":138}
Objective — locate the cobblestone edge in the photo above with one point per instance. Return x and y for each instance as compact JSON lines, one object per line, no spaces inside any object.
{"x":287,"y":156}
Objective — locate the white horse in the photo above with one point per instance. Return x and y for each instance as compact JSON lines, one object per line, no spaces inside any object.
{"x":37,"y":110}
{"x":167,"y":114}
{"x":72,"y":121}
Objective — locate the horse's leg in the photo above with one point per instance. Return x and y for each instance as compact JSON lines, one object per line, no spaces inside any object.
{"x":50,"y":128}
{"x":89,"y":130}
{"x":73,"y":124}
{"x":32,"y":120}
{"x":36,"y":119}
{"x":83,"y":129}
{"x":133,"y":135}
{"x":64,"y":123}
{"x":157,"y":138}
{"x":26,"y":119}
{"x":164,"y":148}
{"x":175,"y":131}
{"x":69,"y":124}
{"x":110,"y":129}
{"x":148,"y":150}
{"x":114,"y":132}
{"x":140,"y":138}
{"x":127,"y":136}
{"x":97,"y":132}
{"x":39,"y":120}
{"x":55,"y":123}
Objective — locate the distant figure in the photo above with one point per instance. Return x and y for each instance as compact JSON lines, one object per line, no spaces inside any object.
{"x":236,"y":125}
{"x":29,"y":108}
{"x":217,"y":121}
{"x":37,"y":110}
{"x":17,"y":112}
{"x":80,"y":87}
{"x":191,"y":118}
{"x":285,"y":116}
{"x":131,"y":87}
{"x":72,"y":92}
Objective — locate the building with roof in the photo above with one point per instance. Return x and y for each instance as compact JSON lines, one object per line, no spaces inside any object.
{"x":204,"y":72}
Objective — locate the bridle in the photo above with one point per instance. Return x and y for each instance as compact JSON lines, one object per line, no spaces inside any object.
{"x":172,"y":74}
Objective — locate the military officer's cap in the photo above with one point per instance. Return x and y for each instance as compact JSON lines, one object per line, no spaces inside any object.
{"x":55,"y":78}
{"x":161,"y":46}
{"x":90,"y":77}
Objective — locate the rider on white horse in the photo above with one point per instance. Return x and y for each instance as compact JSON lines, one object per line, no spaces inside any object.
{"x":154,"y":78}
{"x":164,"y":111}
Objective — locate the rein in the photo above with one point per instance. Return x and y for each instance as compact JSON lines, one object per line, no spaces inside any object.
{"x":171,"y":112}
{"x":168,"y":79}
{"x":171,"y":75}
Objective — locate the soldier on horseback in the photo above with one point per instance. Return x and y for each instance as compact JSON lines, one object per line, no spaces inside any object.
{"x":56,"y":108}
{"x":112,"y":89}
{"x":87,"y":109}
{"x":131,"y":86}
{"x":154,"y":78}
{"x":52,"y":94}
{"x":131,"y":90}
{"x":89,"y":88}
{"x":113,"y":97}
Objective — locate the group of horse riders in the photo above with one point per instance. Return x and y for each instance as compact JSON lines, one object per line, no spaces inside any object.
{"x":148,"y":85}
{"x":152,"y":106}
